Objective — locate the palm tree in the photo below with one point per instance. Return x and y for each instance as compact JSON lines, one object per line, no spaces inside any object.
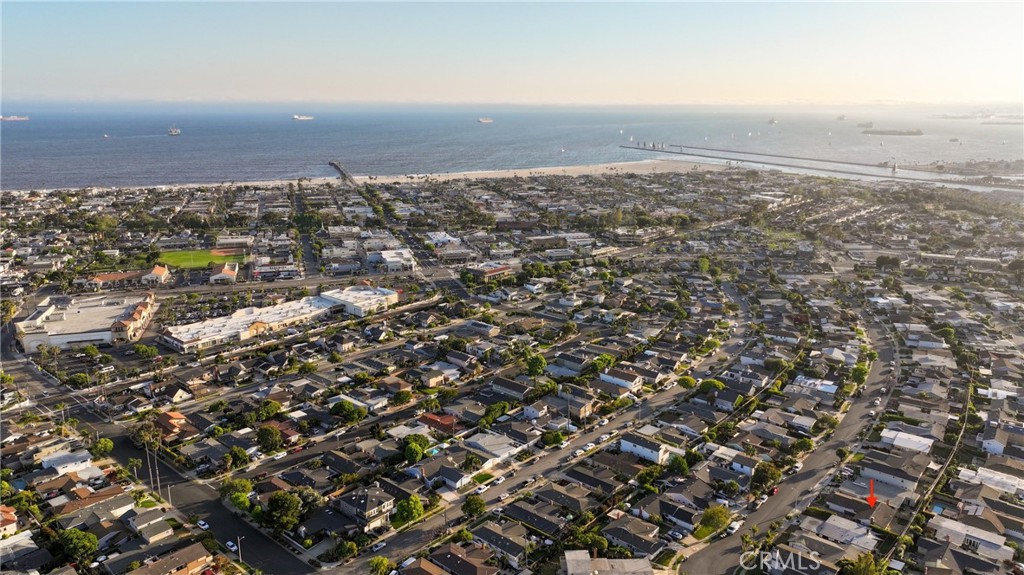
{"x":60,"y":407}
{"x":134,"y":464}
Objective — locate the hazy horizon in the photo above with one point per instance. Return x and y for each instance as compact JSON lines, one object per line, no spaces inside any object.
{"x":514,"y":54}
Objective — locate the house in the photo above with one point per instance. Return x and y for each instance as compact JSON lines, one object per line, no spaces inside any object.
{"x":461,"y":561}
{"x":508,"y":540}
{"x":174,"y":427}
{"x":543,"y":517}
{"x":634,"y":534}
{"x":644,"y":448}
{"x":631,"y":381}
{"x":512,"y":389}
{"x":901,"y":471}
{"x":369,"y":506}
{"x":224,"y":273}
{"x":187,"y":561}
{"x":8,"y":521}
{"x":580,"y":563}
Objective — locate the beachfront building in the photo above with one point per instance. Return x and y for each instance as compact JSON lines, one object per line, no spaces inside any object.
{"x":72,"y":322}
{"x":251,"y":322}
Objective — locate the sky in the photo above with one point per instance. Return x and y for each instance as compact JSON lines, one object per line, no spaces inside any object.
{"x":514,"y":53}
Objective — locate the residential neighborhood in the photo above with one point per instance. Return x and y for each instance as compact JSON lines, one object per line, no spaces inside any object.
{"x":704,"y":373}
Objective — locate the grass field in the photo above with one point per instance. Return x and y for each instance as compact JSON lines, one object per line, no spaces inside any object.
{"x":197,"y":258}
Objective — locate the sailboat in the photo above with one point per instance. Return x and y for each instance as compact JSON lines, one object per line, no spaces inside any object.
{"x":173,"y":131}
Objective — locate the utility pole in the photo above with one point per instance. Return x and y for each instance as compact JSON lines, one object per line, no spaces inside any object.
{"x":238,"y":542}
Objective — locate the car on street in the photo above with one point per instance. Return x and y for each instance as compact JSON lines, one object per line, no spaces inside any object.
{"x":871,"y":413}
{"x":762,"y":499}
{"x":500,"y":479}
{"x":589,"y":446}
{"x":503,"y":496}
{"x":603,"y":422}
{"x":203,"y":525}
{"x":578,"y":453}
{"x":605,"y":437}
{"x":796,"y":467}
{"x":876,"y":402}
{"x":734,"y":527}
{"x":231,"y":546}
{"x":378,"y":546}
{"x":480,"y":490}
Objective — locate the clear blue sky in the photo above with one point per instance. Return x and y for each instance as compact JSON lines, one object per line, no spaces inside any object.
{"x":575,"y":53}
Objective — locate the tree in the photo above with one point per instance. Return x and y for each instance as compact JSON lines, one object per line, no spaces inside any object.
{"x":474,"y":506}
{"x":335,"y":357}
{"x":349,"y":413}
{"x":307,"y":367}
{"x":401,"y":398}
{"x":551,"y":437}
{"x":240,"y":500}
{"x":90,"y":350}
{"x":346,"y":549}
{"x":859,"y":373}
{"x":283,"y":511}
{"x":102,"y":447}
{"x":462,"y":536}
{"x":801,"y":445}
{"x":409,"y":509}
{"x":535,"y":365}
{"x":79,"y":546}
{"x":239,"y":458}
{"x":269,"y":438}
{"x":711,"y":384}
{"x":134,"y":464}
{"x":824,"y":422}
{"x":687,"y":381}
{"x":413,"y":453}
{"x":79,"y":380}
{"x":864,"y":564}
{"x":310,"y":498}
{"x":232,"y":486}
{"x":677,"y":465}
{"x":380,"y":565}
{"x":715,"y":517}
{"x":765,"y":475}
{"x":268,"y":408}
{"x":145,"y":351}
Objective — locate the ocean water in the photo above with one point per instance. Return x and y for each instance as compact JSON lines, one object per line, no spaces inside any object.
{"x":60,"y":149}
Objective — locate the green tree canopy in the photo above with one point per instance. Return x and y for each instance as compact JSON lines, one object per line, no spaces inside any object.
{"x":716,"y":517}
{"x":79,"y":546}
{"x":474,"y":506}
{"x":269,"y":438}
{"x":283,"y":511}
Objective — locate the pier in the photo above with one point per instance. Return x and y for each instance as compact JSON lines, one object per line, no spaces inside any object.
{"x":343,"y":174}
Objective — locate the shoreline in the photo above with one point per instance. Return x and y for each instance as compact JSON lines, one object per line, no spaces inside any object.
{"x":659,"y":166}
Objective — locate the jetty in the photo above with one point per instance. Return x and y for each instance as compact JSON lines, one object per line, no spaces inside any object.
{"x":343,"y":174}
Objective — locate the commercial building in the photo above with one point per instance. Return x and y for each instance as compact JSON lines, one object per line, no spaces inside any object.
{"x":70,"y":322}
{"x":252,"y":322}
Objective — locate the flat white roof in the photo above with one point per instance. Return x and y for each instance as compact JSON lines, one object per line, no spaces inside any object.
{"x":307,"y":307}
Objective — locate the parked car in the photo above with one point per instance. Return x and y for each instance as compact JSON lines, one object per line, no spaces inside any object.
{"x":378,"y":546}
{"x":734,"y":527}
{"x":231,"y":546}
{"x":481,"y":489}
{"x":500,"y":479}
{"x":203,"y":525}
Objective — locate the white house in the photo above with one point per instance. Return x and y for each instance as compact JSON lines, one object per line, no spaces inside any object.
{"x":644,"y":448}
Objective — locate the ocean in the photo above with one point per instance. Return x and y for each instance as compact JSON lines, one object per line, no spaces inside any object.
{"x":61,"y":149}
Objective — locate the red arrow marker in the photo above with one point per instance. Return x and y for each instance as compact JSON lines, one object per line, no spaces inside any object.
{"x":871,"y":495}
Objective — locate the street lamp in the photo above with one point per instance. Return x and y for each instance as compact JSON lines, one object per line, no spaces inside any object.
{"x":238,"y":542}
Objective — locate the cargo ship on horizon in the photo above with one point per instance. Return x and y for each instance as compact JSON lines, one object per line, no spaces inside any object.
{"x":301,"y":117}
{"x":14,"y":118}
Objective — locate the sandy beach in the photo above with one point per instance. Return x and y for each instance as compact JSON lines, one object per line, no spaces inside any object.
{"x":659,"y":166}
{"x":638,"y":167}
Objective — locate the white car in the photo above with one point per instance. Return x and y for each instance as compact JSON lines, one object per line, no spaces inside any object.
{"x":378,"y":546}
{"x":734,"y":527}
{"x":871,"y":413}
{"x":762,"y":499}
{"x":481,"y":489}
{"x":503,"y":496}
{"x":578,"y":453}
{"x":500,"y":479}
{"x":603,"y":422}
{"x":876,"y":402}
{"x":231,"y":546}
{"x":605,"y":437}
{"x":203,"y":525}
{"x":589,"y":446}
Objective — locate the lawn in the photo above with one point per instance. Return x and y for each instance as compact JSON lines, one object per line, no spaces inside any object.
{"x":703,"y":531}
{"x":482,"y":477}
{"x":197,"y":258}
{"x":148,"y":504}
